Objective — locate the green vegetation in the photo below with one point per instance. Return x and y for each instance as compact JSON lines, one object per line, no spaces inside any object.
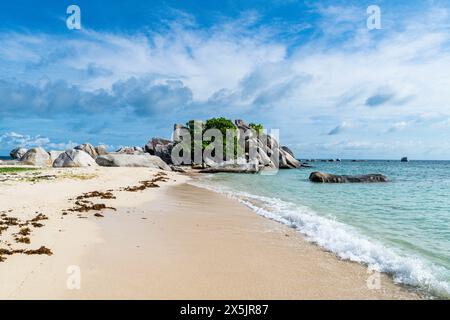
{"x":222,"y":124}
{"x":14,"y":170}
{"x":257,"y":127}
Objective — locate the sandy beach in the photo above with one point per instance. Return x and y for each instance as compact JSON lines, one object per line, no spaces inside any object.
{"x":174,"y":241}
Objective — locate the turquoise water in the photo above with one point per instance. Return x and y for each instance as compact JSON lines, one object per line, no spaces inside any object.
{"x":401,"y":227}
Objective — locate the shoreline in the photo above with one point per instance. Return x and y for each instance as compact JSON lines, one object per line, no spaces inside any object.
{"x":183,"y":242}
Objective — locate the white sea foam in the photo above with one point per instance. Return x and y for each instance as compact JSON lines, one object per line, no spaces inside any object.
{"x":344,"y":241}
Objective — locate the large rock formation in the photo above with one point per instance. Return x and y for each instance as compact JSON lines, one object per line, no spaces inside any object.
{"x":261,"y":150}
{"x":286,"y":149}
{"x":132,"y":160}
{"x":161,"y":148}
{"x":89,"y":149}
{"x":36,"y":157}
{"x":266,"y":147}
{"x":17,"y":153}
{"x":287,"y":161}
{"x":74,"y":158}
{"x":332,"y":178}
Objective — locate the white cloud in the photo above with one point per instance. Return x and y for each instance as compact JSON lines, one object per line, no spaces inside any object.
{"x":398,"y":126}
{"x":13,"y":140}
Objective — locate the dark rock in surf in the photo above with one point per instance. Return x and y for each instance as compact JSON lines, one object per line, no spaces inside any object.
{"x":332,"y":178}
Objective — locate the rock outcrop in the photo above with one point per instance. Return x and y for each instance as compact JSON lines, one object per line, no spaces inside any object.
{"x":233,"y":168}
{"x":17,"y":153}
{"x":289,"y":151}
{"x":36,"y":157}
{"x":287,"y":161}
{"x":54,"y":155}
{"x":132,"y":160}
{"x":130,"y":150}
{"x":258,"y":149}
{"x":332,"y":178}
{"x":101,"y":150}
{"x":266,"y":147}
{"x":74,"y":158}
{"x":89,"y":149}
{"x":161,"y":148}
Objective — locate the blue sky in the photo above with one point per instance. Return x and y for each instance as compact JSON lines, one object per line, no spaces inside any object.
{"x":312,"y":69}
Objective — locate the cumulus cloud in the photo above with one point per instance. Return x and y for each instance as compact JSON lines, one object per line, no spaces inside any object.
{"x":20,"y":140}
{"x":144,"y":96}
{"x":10,"y":140}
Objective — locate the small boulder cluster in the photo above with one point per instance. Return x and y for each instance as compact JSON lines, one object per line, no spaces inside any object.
{"x":86,"y":155}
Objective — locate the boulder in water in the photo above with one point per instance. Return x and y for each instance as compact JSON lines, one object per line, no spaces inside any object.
{"x":332,"y":178}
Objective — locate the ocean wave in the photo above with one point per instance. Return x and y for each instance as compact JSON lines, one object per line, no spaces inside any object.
{"x":344,"y":241}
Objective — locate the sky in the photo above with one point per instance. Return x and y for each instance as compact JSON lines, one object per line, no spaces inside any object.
{"x":312,"y":69}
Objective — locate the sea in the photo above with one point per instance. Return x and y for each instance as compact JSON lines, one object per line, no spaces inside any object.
{"x":401,"y":227}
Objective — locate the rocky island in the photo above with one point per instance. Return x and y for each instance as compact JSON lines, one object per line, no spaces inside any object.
{"x":253,"y":151}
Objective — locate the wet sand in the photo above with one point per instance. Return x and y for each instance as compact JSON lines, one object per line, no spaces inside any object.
{"x":191,"y":243}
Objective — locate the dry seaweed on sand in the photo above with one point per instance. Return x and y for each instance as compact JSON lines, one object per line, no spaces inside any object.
{"x":10,"y":221}
{"x":25,"y":240}
{"x":38,"y":218}
{"x":146,"y":184}
{"x":41,"y":250}
{"x":159,"y":177}
{"x":3,"y":229}
{"x":85,"y":206}
{"x":24,"y":232}
{"x":7,"y":252}
{"x":37,"y":225}
{"x":98,"y":215}
{"x":143,"y":185}
{"x":96,"y":194}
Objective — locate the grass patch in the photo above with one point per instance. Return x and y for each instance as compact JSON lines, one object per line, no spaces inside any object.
{"x":15,"y":170}
{"x":78,"y":176}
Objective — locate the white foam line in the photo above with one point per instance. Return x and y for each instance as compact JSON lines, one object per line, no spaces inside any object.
{"x":344,"y":241}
